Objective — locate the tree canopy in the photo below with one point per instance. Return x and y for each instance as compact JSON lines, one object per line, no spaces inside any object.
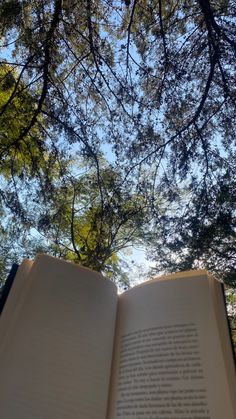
{"x":149,"y":83}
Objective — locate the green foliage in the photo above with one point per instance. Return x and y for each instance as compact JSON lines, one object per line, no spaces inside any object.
{"x":154,"y":82}
{"x":201,"y":233}
{"x":18,"y":152}
{"x":10,"y":13}
{"x":90,"y":221}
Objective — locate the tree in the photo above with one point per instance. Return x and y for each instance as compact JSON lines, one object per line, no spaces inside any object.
{"x":86,"y":217}
{"x":163,"y":72}
{"x":89,"y":220}
{"x":201,"y":233}
{"x":154,"y":80}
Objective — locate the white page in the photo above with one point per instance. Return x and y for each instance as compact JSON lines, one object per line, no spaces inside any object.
{"x":168,"y":361}
{"x":56,"y":361}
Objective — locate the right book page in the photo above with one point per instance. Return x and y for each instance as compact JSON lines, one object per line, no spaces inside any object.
{"x":168,"y":361}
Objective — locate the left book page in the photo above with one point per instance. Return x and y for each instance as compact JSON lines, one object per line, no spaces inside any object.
{"x":55,"y":358}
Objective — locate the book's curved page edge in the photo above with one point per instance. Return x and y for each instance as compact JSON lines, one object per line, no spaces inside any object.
{"x":170,"y":277}
{"x":224,"y":336}
{"x":43,"y":258}
{"x":10,"y":309}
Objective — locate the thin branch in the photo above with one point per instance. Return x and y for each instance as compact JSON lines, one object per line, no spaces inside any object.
{"x":45,"y":75}
{"x":129,"y":32}
{"x":163,"y":32}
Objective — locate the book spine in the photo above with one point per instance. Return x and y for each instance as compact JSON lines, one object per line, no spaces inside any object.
{"x":7,"y":286}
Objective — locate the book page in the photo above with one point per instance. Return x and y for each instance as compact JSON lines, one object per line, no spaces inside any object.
{"x":55,"y":363}
{"x":168,"y":362}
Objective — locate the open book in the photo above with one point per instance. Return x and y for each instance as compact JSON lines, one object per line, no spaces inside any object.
{"x":71,"y":348}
